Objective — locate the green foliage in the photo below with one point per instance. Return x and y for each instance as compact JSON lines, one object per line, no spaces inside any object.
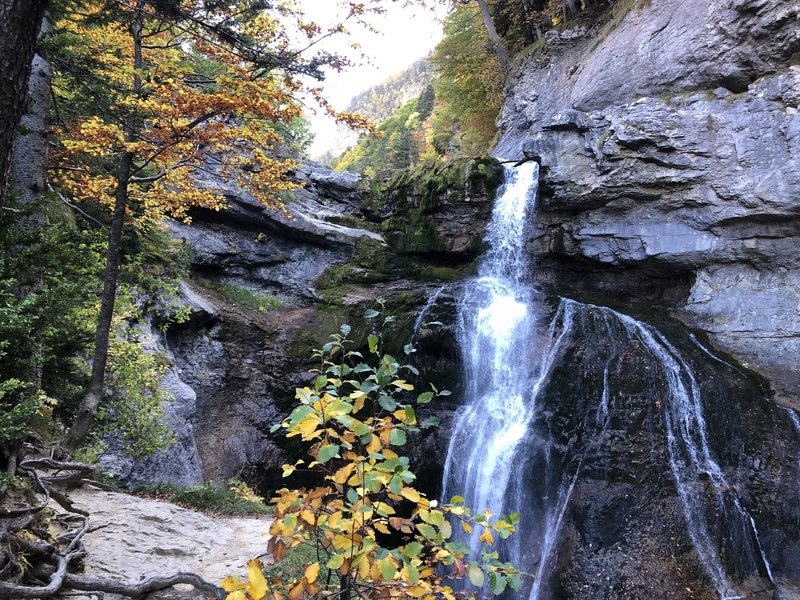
{"x":409,"y":197}
{"x":135,"y":408}
{"x":47,"y":280}
{"x":391,"y":147}
{"x":355,"y":421}
{"x":469,"y":86}
{"x":372,"y":262}
{"x":454,"y":114}
{"x":15,"y":414}
{"x":50,"y":281}
{"x":236,"y":499}
{"x":243,"y":297}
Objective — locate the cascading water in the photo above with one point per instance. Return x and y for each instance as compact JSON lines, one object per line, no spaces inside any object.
{"x":505,"y":369}
{"x":503,"y":454}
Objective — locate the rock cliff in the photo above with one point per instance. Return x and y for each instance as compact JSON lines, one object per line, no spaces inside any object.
{"x":268,"y":286}
{"x":669,"y":142}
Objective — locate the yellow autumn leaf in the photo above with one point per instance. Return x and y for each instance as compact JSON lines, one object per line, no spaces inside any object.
{"x":363,"y":568}
{"x":410,"y":494}
{"x":487,"y":537}
{"x":403,"y":385}
{"x":233,"y":583}
{"x":344,"y":473}
{"x":257,"y":585}
{"x":312,"y":572}
{"x":297,"y":591}
{"x":374,"y":444}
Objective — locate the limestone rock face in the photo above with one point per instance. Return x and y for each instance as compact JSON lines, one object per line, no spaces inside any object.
{"x":670,"y":168}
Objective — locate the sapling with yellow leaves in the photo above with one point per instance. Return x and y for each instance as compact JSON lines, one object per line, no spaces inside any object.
{"x":371,"y":533}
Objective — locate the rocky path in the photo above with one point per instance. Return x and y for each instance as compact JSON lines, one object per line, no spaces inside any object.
{"x":145,"y":537}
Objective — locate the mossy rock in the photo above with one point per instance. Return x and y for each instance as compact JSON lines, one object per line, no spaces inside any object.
{"x":372,"y":262}
{"x":422,"y":188}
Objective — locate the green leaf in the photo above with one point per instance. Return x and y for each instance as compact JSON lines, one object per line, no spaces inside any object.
{"x":352,"y":496}
{"x":446,"y":530}
{"x":424,"y":397}
{"x":387,"y":403}
{"x":497,"y":583}
{"x":457,"y":500}
{"x":337,"y":408}
{"x":411,"y":418}
{"x":361,"y":429}
{"x":397,"y":437}
{"x":476,"y":577}
{"x":396,"y":485}
{"x":372,"y":340}
{"x":430,"y":422}
{"x":327,"y":452}
{"x":427,"y":530}
{"x":336,"y":561}
{"x":320,"y":382}
{"x":413,"y":549}
{"x":345,"y":329}
{"x":388,"y":570}
{"x":371,"y":313}
{"x":368,"y":386}
{"x":408,"y":349}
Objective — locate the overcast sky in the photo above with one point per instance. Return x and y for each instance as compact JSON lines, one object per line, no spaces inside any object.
{"x":404,"y":35}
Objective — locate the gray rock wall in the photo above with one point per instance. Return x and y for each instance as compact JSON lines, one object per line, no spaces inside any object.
{"x":670,"y":154}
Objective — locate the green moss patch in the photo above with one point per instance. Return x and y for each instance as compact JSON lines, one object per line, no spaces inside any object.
{"x":243,"y":297}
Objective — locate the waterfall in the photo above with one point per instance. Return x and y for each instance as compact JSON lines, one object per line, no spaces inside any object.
{"x":510,"y":345}
{"x":506,"y":365}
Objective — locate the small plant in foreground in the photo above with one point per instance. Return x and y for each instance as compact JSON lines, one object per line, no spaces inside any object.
{"x":367,"y":532}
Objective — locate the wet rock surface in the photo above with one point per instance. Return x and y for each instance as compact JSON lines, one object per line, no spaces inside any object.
{"x":625,"y":532}
{"x":670,"y":155}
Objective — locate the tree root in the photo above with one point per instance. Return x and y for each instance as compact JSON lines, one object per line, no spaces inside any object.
{"x":10,"y":591}
{"x":137,"y":590}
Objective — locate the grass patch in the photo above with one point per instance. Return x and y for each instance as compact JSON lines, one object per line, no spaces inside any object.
{"x":243,"y":297}
{"x":236,"y":500}
{"x":294,"y":564}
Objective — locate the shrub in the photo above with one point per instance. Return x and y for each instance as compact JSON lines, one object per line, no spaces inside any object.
{"x":364,"y":530}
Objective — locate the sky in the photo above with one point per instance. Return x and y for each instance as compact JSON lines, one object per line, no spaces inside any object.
{"x":405,"y":34}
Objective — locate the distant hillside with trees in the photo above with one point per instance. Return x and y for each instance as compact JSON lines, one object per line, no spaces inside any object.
{"x":452,"y":115}
{"x":381,"y":101}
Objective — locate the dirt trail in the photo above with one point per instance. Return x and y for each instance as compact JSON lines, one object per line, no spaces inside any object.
{"x":148,"y":537}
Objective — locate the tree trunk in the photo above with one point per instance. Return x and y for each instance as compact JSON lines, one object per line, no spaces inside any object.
{"x":88,"y":408}
{"x":27,"y":177}
{"x":497,"y":42}
{"x":27,"y":180}
{"x":19,"y":26}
